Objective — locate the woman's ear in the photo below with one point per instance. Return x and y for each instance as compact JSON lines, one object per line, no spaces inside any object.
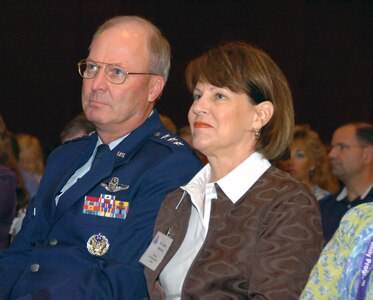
{"x":156,"y":88}
{"x":264,"y":113}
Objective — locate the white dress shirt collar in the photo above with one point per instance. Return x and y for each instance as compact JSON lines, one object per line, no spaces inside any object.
{"x":343,"y":194}
{"x":236,"y":183}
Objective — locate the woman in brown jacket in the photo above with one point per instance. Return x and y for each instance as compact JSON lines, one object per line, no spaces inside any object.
{"x":240,"y":229}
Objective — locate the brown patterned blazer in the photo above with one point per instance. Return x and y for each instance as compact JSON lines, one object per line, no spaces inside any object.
{"x":262,"y":247}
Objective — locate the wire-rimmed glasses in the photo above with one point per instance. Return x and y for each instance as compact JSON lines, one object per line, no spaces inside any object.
{"x":114,"y":73}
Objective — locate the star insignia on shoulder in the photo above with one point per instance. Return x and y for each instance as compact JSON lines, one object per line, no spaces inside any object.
{"x":172,"y":139}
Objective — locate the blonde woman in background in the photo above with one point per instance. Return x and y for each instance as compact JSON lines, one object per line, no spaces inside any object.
{"x":8,"y":185}
{"x":168,"y":123}
{"x":31,"y":157}
{"x":309,"y":162}
{"x":31,"y":165}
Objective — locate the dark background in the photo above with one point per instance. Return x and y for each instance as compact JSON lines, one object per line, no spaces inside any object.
{"x":324,"y":48}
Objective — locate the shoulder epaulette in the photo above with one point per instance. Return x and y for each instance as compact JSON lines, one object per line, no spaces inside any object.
{"x":166,"y":137}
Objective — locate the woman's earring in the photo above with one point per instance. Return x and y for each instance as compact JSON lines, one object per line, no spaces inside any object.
{"x":257,"y":134}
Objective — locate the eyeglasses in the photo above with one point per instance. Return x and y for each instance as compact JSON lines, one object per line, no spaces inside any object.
{"x":340,"y":147}
{"x":114,"y":73}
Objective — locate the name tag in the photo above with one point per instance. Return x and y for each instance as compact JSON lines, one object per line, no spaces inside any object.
{"x":156,"y":251}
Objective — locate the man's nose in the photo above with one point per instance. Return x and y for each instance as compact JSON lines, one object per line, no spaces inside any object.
{"x":99,"y":82}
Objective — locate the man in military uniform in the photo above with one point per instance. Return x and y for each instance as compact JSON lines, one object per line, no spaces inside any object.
{"x":92,"y":219}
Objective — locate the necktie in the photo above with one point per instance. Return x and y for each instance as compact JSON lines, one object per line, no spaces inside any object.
{"x":101,"y":151}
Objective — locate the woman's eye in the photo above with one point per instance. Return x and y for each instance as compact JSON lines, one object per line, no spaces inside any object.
{"x":220,"y":96}
{"x":196,"y":96}
{"x":300,"y":155}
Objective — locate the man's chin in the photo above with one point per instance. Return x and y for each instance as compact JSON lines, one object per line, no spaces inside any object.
{"x":338,"y":174}
{"x":94,"y":115}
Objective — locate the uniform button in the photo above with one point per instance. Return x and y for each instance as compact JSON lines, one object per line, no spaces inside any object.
{"x":157,"y":133}
{"x":34,"y":268}
{"x":53,"y":242}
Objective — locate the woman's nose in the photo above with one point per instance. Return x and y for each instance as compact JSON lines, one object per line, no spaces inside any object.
{"x":200,"y":106}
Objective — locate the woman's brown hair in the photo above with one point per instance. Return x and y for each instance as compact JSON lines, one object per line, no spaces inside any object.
{"x":244,"y":68}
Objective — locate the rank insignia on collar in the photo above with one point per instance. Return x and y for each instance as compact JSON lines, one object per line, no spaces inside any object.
{"x":114,"y":186}
{"x":98,"y":244}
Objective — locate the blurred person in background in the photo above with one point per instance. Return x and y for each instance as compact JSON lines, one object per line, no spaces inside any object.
{"x":351,"y":159}
{"x":344,"y":269}
{"x":186,"y":134}
{"x":31,"y":167}
{"x":168,"y":123}
{"x":76,"y":127}
{"x":309,"y":162}
{"x":8,"y":185}
{"x":31,"y":161}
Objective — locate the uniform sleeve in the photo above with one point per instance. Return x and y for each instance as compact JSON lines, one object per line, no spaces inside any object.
{"x":289,"y":242}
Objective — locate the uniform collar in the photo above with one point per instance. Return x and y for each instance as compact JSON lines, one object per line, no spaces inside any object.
{"x":113,"y":144}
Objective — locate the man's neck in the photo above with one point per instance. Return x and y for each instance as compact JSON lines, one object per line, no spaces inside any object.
{"x":358,"y":187}
{"x":111,"y":133}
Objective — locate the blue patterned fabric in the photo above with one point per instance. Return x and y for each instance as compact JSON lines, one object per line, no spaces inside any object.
{"x":337,"y":273}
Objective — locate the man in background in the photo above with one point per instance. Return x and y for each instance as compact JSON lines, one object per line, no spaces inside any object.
{"x":351,"y":158}
{"x":76,"y":127}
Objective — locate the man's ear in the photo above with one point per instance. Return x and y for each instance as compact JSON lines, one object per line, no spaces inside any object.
{"x":368,"y":154}
{"x":156,"y":87}
{"x":264,"y":113}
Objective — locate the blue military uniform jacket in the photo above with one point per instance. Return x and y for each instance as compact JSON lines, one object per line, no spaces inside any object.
{"x":88,"y":247}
